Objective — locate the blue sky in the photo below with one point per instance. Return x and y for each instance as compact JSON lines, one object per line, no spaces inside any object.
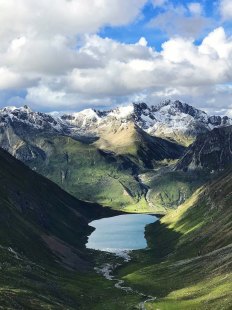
{"x":131,"y":33}
{"x":78,"y":54}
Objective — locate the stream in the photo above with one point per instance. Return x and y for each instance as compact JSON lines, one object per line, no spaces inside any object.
{"x":106,"y":270}
{"x":120,"y":235}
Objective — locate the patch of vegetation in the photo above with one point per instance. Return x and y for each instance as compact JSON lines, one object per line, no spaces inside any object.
{"x":188,"y":263}
{"x":28,"y":285}
{"x":90,"y":174}
{"x":103,"y":170}
{"x":169,"y":188}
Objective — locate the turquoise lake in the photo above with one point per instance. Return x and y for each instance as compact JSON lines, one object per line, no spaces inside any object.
{"x":120,"y":233}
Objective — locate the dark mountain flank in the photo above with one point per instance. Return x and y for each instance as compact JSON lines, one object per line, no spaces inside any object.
{"x":211,"y":151}
{"x":35,"y":214}
{"x":43,"y":260}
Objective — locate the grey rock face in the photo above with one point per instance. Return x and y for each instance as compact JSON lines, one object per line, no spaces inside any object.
{"x":211,"y":151}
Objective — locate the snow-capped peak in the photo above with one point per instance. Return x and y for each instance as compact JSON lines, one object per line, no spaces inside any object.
{"x":10,"y":109}
{"x":170,"y":120}
{"x":89,"y":113}
{"x":122,"y":112}
{"x":35,"y":120}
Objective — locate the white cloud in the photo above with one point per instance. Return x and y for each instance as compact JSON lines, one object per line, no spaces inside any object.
{"x":195,"y":8}
{"x":42,"y":95}
{"x":40,"y":39}
{"x":182,"y":20}
{"x":181,"y":70}
{"x":13,"y":80}
{"x":63,"y":17}
{"x":42,"y":53}
{"x":226,"y":9}
{"x":142,"y":41}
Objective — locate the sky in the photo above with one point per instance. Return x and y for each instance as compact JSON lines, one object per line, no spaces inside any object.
{"x":68,"y":55}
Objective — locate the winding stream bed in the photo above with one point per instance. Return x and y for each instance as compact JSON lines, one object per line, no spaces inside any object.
{"x":120,"y":235}
{"x":107,"y":271}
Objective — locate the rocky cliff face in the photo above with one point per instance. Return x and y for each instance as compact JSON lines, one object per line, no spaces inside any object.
{"x":211,"y":151}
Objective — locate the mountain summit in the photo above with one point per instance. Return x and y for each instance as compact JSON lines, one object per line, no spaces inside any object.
{"x":171,"y":120}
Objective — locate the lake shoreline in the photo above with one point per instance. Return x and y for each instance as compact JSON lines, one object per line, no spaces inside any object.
{"x":120,"y":233}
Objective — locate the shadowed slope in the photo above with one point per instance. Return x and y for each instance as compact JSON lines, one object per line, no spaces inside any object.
{"x":211,"y":151}
{"x":189,"y":263}
{"x":128,"y":139}
{"x":43,"y":260}
{"x":33,"y":207}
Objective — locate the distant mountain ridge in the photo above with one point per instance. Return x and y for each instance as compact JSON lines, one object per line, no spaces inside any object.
{"x":98,"y":155}
{"x":101,"y":167}
{"x":172,"y":120}
{"x":116,"y":131}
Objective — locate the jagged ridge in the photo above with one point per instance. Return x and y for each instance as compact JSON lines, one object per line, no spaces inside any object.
{"x":172,"y":120}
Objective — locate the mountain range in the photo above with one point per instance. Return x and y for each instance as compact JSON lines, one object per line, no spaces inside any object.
{"x":58,"y":171}
{"x":171,"y":120}
{"x":114,"y":149}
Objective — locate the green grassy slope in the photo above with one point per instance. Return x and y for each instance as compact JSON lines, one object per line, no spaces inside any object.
{"x":26,"y":284}
{"x":189,"y":263}
{"x":43,"y":260}
{"x":88,"y":173}
{"x":168,"y":188}
{"x":29,"y":203}
{"x":104,"y":171}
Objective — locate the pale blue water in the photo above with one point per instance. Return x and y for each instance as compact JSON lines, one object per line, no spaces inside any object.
{"x":120,"y":233}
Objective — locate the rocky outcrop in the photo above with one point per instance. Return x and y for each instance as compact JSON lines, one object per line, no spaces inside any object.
{"x":211,"y":151}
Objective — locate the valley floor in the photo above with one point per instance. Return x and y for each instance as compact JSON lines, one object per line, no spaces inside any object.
{"x":156,"y":275}
{"x":187,"y":266}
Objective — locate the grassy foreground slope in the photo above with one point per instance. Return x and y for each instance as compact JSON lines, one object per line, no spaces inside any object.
{"x":189,"y":263}
{"x":43,"y":261}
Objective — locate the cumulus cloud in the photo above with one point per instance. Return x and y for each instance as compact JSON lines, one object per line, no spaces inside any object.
{"x":54,"y":58}
{"x":226,"y":9}
{"x":125,"y":72}
{"x":66,"y":17}
{"x":180,"y":62}
{"x":187,"y":21}
{"x":110,"y":69}
{"x":39,"y":39}
{"x":13,"y":80}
